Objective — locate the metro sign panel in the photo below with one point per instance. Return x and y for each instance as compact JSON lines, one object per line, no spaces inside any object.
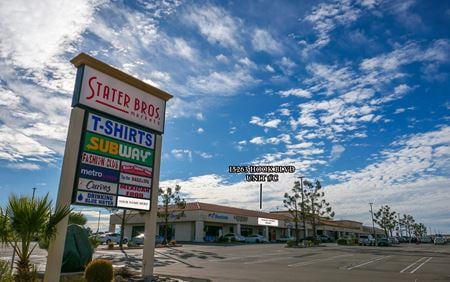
{"x":99,"y":91}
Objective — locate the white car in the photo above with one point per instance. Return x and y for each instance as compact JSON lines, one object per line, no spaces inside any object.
{"x":255,"y":238}
{"x":366,"y":240}
{"x":439,"y":240}
{"x":112,"y":238}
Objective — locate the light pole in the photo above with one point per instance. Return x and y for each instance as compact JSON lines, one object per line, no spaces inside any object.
{"x":34,"y":190}
{"x":373,"y":225}
{"x":303,"y":207}
{"x":98,"y":222}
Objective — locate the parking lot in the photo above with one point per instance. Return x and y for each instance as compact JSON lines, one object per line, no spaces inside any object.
{"x":275,"y":262}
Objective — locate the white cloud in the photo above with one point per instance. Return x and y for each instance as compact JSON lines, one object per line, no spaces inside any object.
{"x":200,"y":130}
{"x":24,"y":166}
{"x":184,"y":50}
{"x":247,"y":62}
{"x":269,"y":68}
{"x":410,"y":177}
{"x":263,"y":41}
{"x":336,"y":152}
{"x":204,"y":155}
{"x":215,"y":24}
{"x":270,"y":124}
{"x":402,"y":89}
{"x":181,"y":154}
{"x":295,"y":92}
{"x":399,"y":111}
{"x":17,"y":147}
{"x":287,"y":65}
{"x":34,"y":33}
{"x":199,"y":116}
{"x":409,"y":53}
{"x":222,"y":83}
{"x":326,"y":17}
{"x":257,"y":140}
{"x":222,"y":58}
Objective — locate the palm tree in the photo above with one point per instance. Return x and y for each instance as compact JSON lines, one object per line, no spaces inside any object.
{"x":24,"y":220}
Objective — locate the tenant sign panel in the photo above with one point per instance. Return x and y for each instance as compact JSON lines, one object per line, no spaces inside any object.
{"x":267,"y":221}
{"x":115,"y":164}
{"x":102,"y":92}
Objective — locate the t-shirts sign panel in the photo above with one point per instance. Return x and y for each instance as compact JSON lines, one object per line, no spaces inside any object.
{"x":109,"y":95}
{"x":115,"y":164}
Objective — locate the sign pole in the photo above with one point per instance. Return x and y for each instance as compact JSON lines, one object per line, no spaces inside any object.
{"x":150,"y":217}
{"x":56,"y":247}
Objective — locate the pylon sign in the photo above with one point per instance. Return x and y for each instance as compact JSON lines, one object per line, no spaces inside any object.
{"x":117,"y":147}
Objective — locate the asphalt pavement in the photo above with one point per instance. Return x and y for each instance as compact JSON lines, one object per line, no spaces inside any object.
{"x":275,"y":262}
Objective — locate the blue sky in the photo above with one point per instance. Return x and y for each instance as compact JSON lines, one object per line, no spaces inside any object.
{"x":353,"y":93}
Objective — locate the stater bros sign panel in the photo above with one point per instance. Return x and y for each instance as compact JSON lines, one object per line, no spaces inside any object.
{"x":115,"y":164}
{"x":99,"y":91}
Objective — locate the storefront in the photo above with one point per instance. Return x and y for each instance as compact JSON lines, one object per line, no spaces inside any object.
{"x":207,"y":222}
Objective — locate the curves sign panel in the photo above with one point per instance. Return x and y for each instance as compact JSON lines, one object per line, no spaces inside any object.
{"x":115,"y":164}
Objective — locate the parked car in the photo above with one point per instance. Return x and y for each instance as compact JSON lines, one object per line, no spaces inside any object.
{"x":325,"y":239}
{"x":232,"y":237}
{"x":439,"y":240}
{"x":426,"y":239}
{"x":108,"y":238}
{"x":139,"y":239}
{"x":366,"y":240}
{"x":393,"y":240}
{"x":307,"y":238}
{"x":284,"y":239}
{"x":384,"y":242}
{"x":255,"y":238}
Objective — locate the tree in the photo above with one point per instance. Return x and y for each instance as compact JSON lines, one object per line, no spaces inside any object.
{"x":316,"y":205}
{"x":23,"y":220}
{"x":386,"y":219}
{"x":77,"y":218}
{"x":173,"y":206}
{"x":296,"y":206}
{"x":419,"y":229}
{"x":124,"y":216}
{"x":408,"y":221}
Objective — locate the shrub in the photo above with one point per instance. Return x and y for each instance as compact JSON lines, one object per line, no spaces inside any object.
{"x":5,"y":272}
{"x":99,"y":270}
{"x":290,"y":243}
{"x":173,"y":242}
{"x":342,"y":241}
{"x":94,"y":242}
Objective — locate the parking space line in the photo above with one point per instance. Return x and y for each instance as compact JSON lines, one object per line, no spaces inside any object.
{"x":367,"y":262}
{"x":266,"y":260}
{"x":317,"y":260}
{"x":421,"y":265}
{"x":412,"y":264}
{"x":243,"y":257}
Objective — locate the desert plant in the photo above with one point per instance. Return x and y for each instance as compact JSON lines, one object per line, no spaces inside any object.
{"x":5,"y":272}
{"x":99,"y":270}
{"x":24,"y":219}
{"x":94,"y":242}
{"x":341,"y":241}
{"x":291,"y":243}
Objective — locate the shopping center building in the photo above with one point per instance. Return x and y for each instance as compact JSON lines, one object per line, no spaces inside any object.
{"x":207,"y":222}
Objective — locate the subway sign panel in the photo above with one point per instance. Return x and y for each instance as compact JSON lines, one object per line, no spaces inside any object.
{"x":115,"y":164}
